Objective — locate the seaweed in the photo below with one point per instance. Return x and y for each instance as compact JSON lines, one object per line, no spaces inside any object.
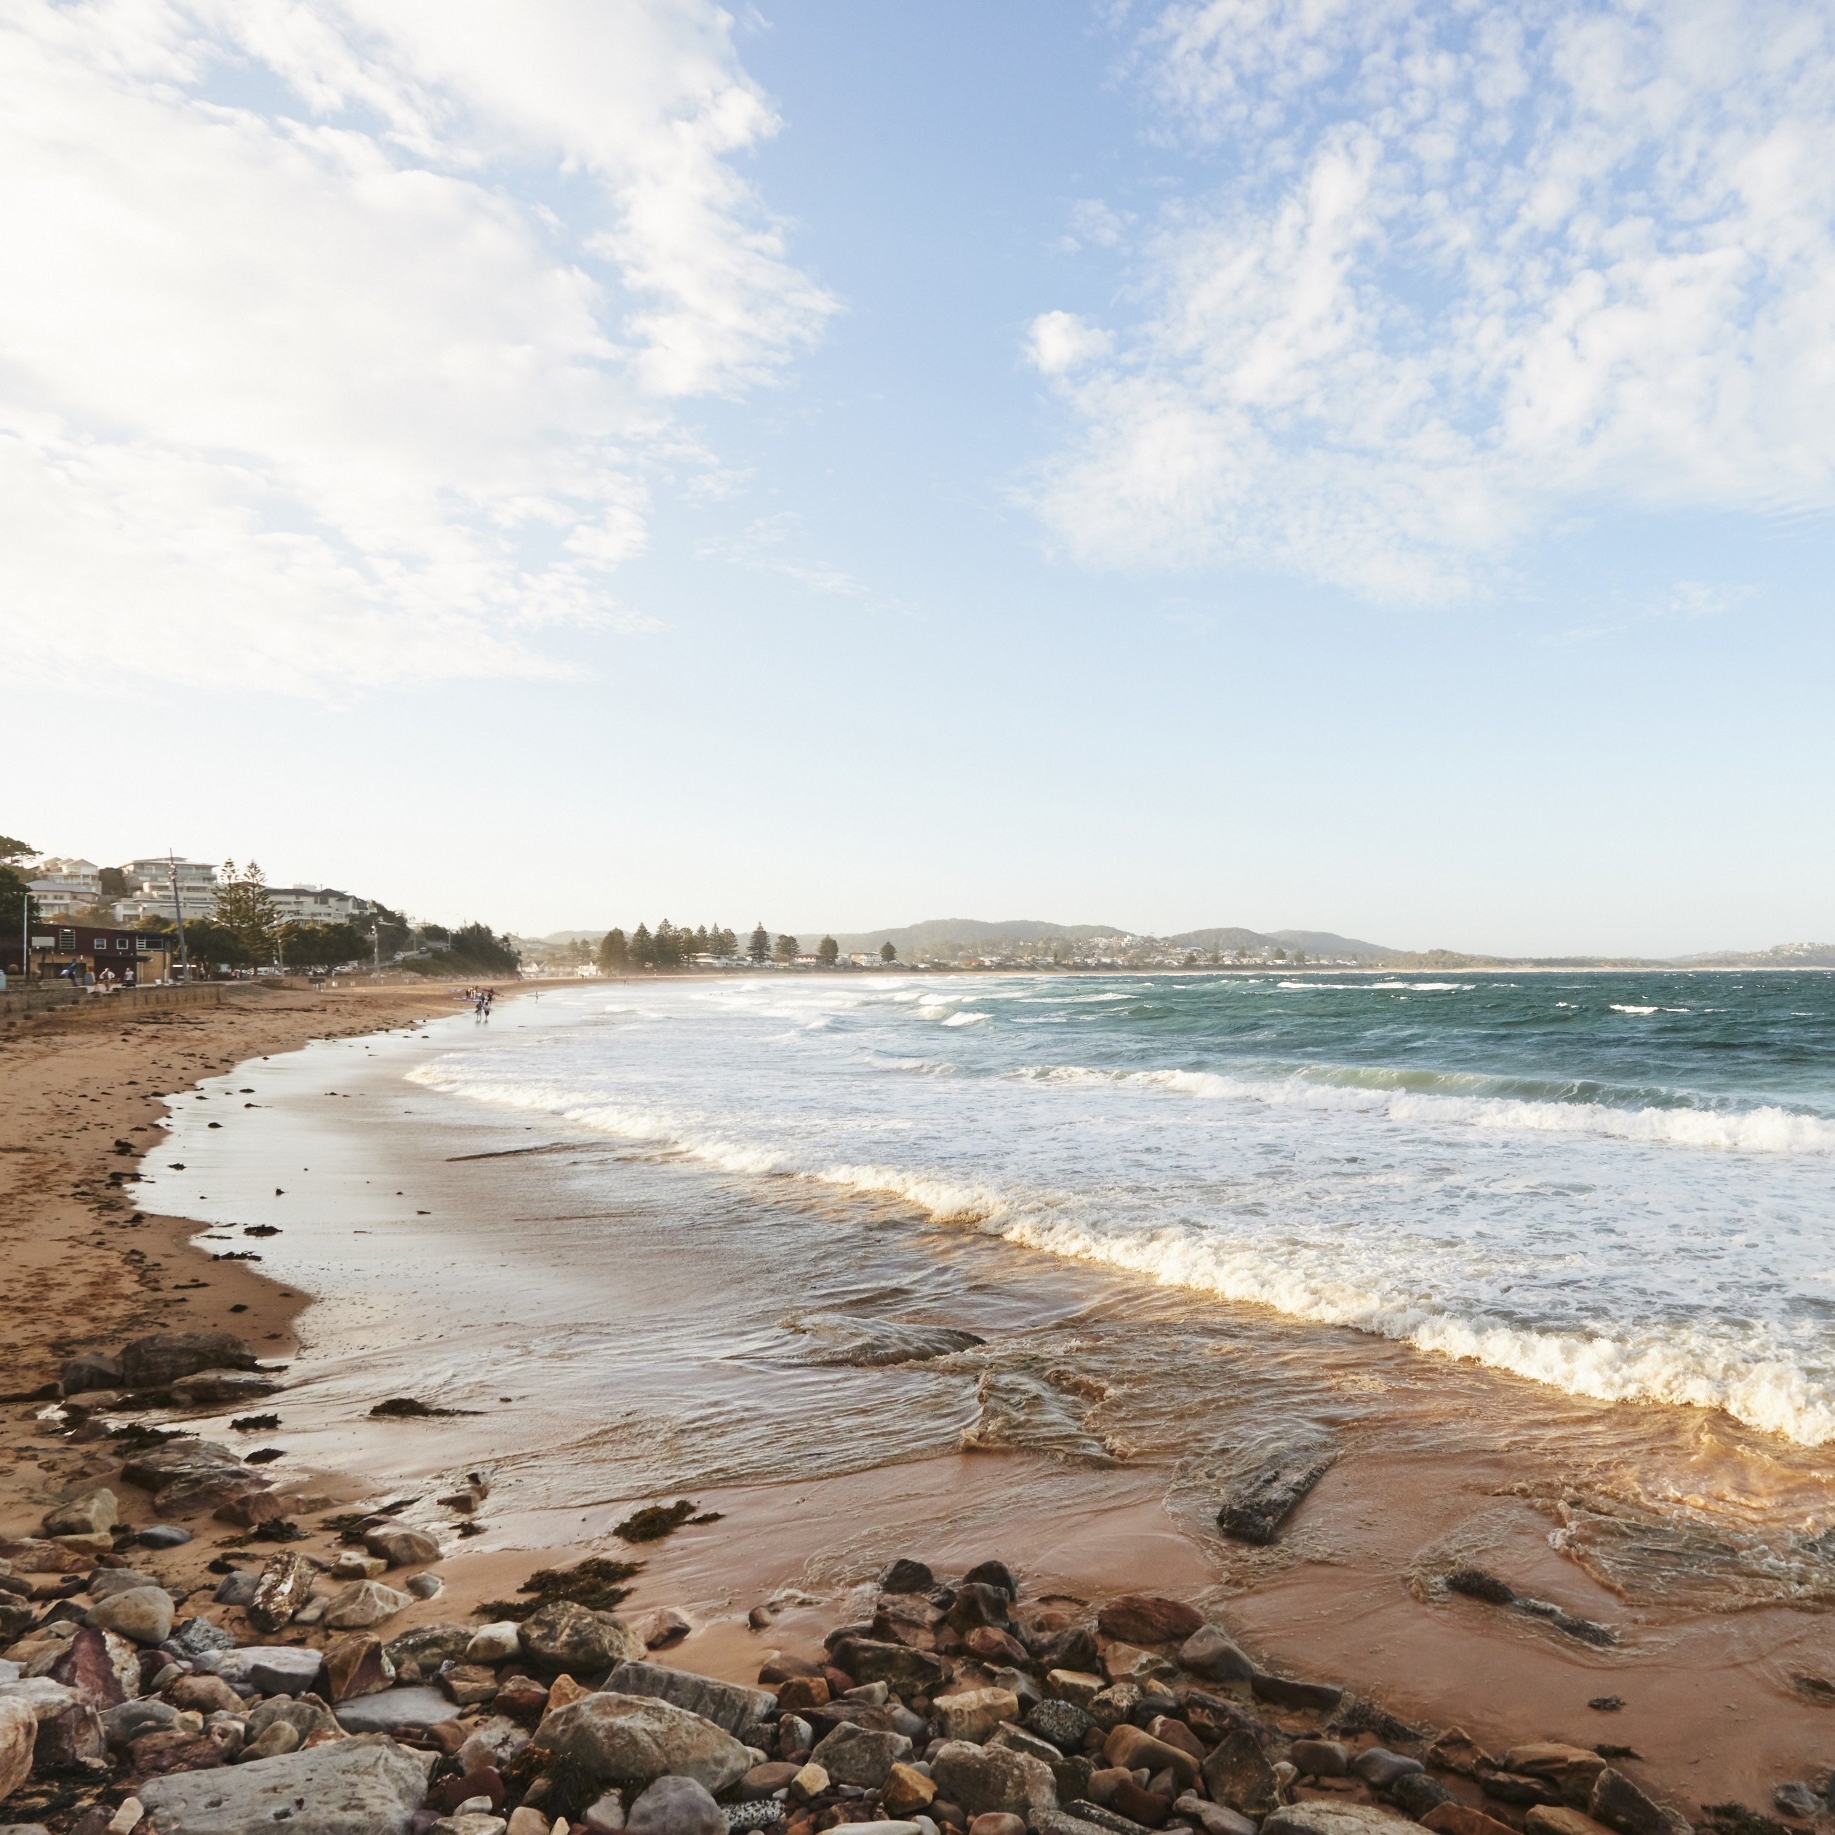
{"x":655,"y":1521}
{"x":406,"y":1408}
{"x":594,"y":1583}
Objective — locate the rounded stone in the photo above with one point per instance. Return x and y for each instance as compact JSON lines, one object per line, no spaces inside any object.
{"x":141,"y":1613}
{"x":675,"y":1806}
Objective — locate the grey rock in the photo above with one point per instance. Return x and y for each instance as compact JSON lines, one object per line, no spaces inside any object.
{"x":18,"y":1735}
{"x":1418,"y":1794}
{"x":675,"y":1806}
{"x":765,"y":1813}
{"x":1259,"y":1500}
{"x":93,"y":1514}
{"x":494,"y":1741}
{"x":605,"y":1816}
{"x":274,"y":1739}
{"x":740,"y":1710}
{"x":267,"y":1669}
{"x":196,"y":1637}
{"x":1017,"y":1739}
{"x":982,"y":1778}
{"x":426,"y":1586}
{"x":1380,"y":1767}
{"x":855,"y":1755}
{"x":794,"y":1734}
{"x":564,"y":1637}
{"x":1321,"y":1818}
{"x":221,"y":1388}
{"x":1797,"y":1800}
{"x":236,"y":1589}
{"x":616,"y":1738}
{"x":1237,"y":1773}
{"x":392,"y":1708}
{"x":1619,"y":1804}
{"x":1061,"y":1722}
{"x":1215,"y":1655}
{"x":161,"y":1360}
{"x":142,"y":1613}
{"x":305,"y":1714}
{"x":1284,"y":1692}
{"x":1213,"y":1818}
{"x":107,"y":1580}
{"x":88,"y":1371}
{"x":430,"y":1645}
{"x":1017,"y":1683}
{"x":42,"y":1697}
{"x":1319,"y":1758}
{"x":132,"y":1718}
{"x":364,"y":1603}
{"x":350,"y":1787}
{"x":1099,"y":1816}
{"x":1070,"y":1822}
{"x":163,"y":1535}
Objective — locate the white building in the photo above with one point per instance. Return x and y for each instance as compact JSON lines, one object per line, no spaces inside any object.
{"x":152,"y":891}
{"x":317,"y":905}
{"x":60,"y":886}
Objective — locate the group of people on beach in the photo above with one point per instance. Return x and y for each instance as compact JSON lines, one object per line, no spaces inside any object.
{"x":479,"y":1000}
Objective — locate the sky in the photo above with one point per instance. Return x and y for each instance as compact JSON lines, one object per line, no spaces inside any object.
{"x":1355,"y":464}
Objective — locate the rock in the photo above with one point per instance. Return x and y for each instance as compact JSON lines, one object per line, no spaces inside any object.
{"x":493,"y":1742}
{"x":426,"y":1586}
{"x":204,"y":1694}
{"x":1211,"y":1653}
{"x":606,"y":1816}
{"x":1796,"y":1800}
{"x":269,"y":1669}
{"x":350,"y":1787}
{"x":1558,"y":1819}
{"x":675,"y":1806}
{"x":101,"y":1666}
{"x":522,"y":1698}
{"x":1320,"y":1758}
{"x":991,"y":1574}
{"x":494,"y":1643}
{"x":161,"y":1360}
{"x":197,"y":1637}
{"x":402,"y":1547}
{"x":1061,"y":1722}
{"x":354,"y":1564}
{"x":663,"y":1627}
{"x":220,"y":1388}
{"x":1453,"y":1818}
{"x":281,"y":1588}
{"x":1379,"y":1767}
{"x":977,"y":1603}
{"x":307,"y":1715}
{"x":1335,"y":1819}
{"x":1072,"y":1822}
{"x":86,"y":1371}
{"x":802,"y":1692}
{"x":236,"y":1590}
{"x":364,"y":1603}
{"x":741,"y":1711}
{"x":163,"y":1535}
{"x":527,"y":1821}
{"x":1132,"y":1749}
{"x":619,"y":1738}
{"x":274,"y":1740}
{"x":1417,"y":1793}
{"x":1145,"y":1618}
{"x":1238,"y":1773}
{"x":565,"y":1636}
{"x":141,"y":1613}
{"x":96,"y":1513}
{"x":910,"y":1672}
{"x":1312,"y":1697}
{"x":1456,"y":1750}
{"x":762,"y":1780}
{"x":1619,"y":1804}
{"x":468,"y":1683}
{"x":1259,"y":1500}
{"x":1101,"y":1816}
{"x":249,"y":1509}
{"x":974,"y":1713}
{"x":905,"y":1790}
{"x":982,"y":1778}
{"x":1212,"y":1818}
{"x":153,"y":1755}
{"x":1573,"y":1770}
{"x":993,"y":1645}
{"x":356,"y":1665}
{"x":902,"y":1576}
{"x":810,"y":1782}
{"x":70,"y":1740}
{"x":1478,"y":1583}
{"x":853,"y":1755}
{"x":430,"y":1645}
{"x":18,"y":1732}
{"x":126,"y":1723}
{"x":997,"y":1822}
{"x":1077,"y":1686}
{"x":392,"y":1708}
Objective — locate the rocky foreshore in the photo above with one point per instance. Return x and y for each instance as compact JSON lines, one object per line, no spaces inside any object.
{"x":266,"y":1687}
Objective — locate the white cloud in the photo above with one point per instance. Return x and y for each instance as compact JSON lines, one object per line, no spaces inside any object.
{"x":1059,"y":342}
{"x":339,"y":338}
{"x":1481,"y":266}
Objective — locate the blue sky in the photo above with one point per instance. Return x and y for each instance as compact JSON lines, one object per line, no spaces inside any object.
{"x":1225,"y":461}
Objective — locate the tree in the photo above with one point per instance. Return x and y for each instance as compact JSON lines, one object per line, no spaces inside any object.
{"x":16,"y":903}
{"x":786,"y":949}
{"x":642,"y":954}
{"x":666,"y":948}
{"x":760,"y":946}
{"x":614,"y":953}
{"x":476,"y":946}
{"x":728,"y":945}
{"x":114,"y":883}
{"x":886,"y":952}
{"x":247,"y":912}
{"x":212,"y":946}
{"x":828,"y":952}
{"x":322,"y":945}
{"x":11,"y":850}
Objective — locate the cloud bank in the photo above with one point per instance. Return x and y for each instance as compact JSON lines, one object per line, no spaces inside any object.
{"x":342,"y":340}
{"x":1472,"y":268}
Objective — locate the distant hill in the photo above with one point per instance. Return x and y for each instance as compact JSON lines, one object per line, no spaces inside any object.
{"x":1780,"y":955}
{"x":947,"y":933}
{"x":1313,"y":942}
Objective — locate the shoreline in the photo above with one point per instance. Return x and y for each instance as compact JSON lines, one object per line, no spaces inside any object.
{"x":1097,"y":1533}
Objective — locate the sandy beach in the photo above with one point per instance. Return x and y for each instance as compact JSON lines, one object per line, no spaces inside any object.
{"x":1713,"y":1702}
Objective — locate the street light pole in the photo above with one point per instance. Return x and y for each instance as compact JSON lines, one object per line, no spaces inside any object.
{"x":178,"y":914}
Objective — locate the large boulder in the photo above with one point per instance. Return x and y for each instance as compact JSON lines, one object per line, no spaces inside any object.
{"x":857,"y":1755}
{"x":103,"y":1668}
{"x":158,"y":1361}
{"x":617,"y":1739}
{"x":93,"y":1514}
{"x":89,"y":1370}
{"x":1146,"y":1618}
{"x":675,"y":1806}
{"x":731,"y":1705}
{"x":18,"y":1729}
{"x":564,"y":1636}
{"x":902,"y":1669}
{"x":983,"y":1779}
{"x":141,"y":1613}
{"x":391,"y":1709}
{"x":367,"y":1786}
{"x":267,"y":1669}
{"x":430,"y":1645}
{"x":1237,"y":1773}
{"x":1216,"y":1656}
{"x":365,"y":1603}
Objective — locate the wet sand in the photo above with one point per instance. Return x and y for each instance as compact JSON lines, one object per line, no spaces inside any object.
{"x":592,"y":1399}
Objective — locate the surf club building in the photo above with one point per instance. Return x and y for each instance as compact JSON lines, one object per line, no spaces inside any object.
{"x":83,"y":955}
